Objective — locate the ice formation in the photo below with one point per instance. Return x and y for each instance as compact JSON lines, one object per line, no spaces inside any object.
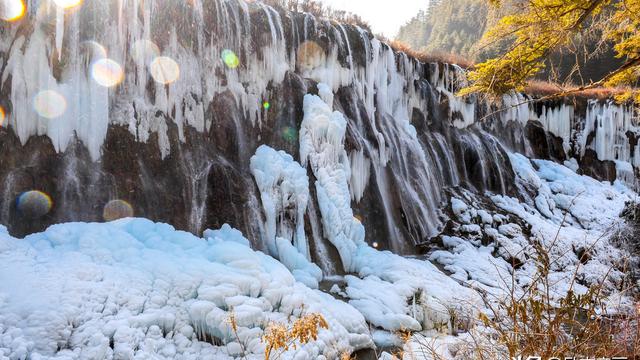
{"x":447,"y":81}
{"x":607,"y":128}
{"x":400,"y":279}
{"x":137,"y":288}
{"x":321,"y":147}
{"x":400,"y":138}
{"x":134,"y":288}
{"x":125,"y":36}
{"x":284,"y":189}
{"x":612,"y":125}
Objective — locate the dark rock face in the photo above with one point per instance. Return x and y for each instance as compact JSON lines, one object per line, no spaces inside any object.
{"x":180,"y":153}
{"x":544,"y":144}
{"x":591,"y":166}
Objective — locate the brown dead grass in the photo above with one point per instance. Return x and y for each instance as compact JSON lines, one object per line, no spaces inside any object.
{"x":546,"y":88}
{"x":431,"y":57}
{"x":536,"y":88}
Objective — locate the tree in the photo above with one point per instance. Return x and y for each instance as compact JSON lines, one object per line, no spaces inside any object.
{"x":451,"y":26}
{"x":541,"y":27}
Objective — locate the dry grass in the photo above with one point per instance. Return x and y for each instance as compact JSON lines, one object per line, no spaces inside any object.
{"x":535,"y":320}
{"x":279,"y":338}
{"x":537,"y":323}
{"x":537,"y":88}
{"x":547,"y":88}
{"x":431,"y":57}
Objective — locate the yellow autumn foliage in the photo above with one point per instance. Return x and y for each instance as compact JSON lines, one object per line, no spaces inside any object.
{"x":543,"y":26}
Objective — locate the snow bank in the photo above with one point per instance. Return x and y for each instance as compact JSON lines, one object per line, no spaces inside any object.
{"x":572,"y":216}
{"x":134,"y":288}
{"x":569,"y":214}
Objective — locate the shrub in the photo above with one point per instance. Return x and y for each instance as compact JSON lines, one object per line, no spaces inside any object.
{"x":539,"y":320}
{"x":279,"y":338}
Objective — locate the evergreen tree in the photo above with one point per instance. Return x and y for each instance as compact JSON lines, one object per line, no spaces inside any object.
{"x":541,"y":28}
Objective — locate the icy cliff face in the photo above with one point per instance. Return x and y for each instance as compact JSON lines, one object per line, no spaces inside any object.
{"x":164,"y":103}
{"x":599,"y":130}
{"x":134,"y":288}
{"x":317,"y":142}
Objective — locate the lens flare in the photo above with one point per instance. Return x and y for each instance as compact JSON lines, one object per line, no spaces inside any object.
{"x":95,"y":49}
{"x":144,"y":51}
{"x":49,"y":104}
{"x":117,"y":209}
{"x":107,"y":72}
{"x":290,"y":134}
{"x":34,"y":204}
{"x":309,"y":55}
{"x":2,"y":116}
{"x":230,"y":59}
{"x":266,"y":105}
{"x":67,"y":4}
{"x":164,"y":70}
{"x":12,"y":10}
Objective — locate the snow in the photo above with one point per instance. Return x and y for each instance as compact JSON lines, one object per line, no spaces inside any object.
{"x":458,"y":207}
{"x":566,"y":211}
{"x":416,"y":294}
{"x":468,"y":262}
{"x":303,"y":270}
{"x":572,"y":212}
{"x":592,"y":204}
{"x":138,"y":288}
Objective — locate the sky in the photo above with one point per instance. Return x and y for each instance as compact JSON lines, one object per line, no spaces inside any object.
{"x":384,"y":16}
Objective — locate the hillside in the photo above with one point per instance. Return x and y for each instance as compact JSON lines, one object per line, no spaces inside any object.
{"x":457,"y":27}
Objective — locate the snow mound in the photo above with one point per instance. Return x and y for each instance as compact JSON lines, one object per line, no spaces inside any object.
{"x":134,"y":288}
{"x":571,"y":212}
{"x":571,"y":216}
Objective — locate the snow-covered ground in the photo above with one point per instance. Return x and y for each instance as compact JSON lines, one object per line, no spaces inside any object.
{"x":137,"y":289}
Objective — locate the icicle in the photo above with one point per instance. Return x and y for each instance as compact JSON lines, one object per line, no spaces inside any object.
{"x":59,"y":30}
